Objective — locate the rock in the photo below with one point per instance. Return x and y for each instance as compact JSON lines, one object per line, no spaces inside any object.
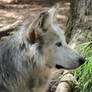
{"x":66,"y":83}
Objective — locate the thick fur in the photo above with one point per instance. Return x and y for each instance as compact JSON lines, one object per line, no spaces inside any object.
{"x":19,"y":71}
{"x":26,"y":58}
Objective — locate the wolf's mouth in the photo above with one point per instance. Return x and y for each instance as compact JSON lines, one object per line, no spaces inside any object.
{"x":62,"y":67}
{"x":59,"y":66}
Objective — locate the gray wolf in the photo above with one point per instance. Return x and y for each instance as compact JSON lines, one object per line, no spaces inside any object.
{"x":27,"y":57}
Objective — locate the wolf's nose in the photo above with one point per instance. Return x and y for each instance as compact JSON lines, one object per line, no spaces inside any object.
{"x":81,"y":60}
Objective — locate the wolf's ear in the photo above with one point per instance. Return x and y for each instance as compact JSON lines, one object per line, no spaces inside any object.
{"x":33,"y":29}
{"x":54,"y":8}
{"x":53,"y":13}
{"x":42,"y":22}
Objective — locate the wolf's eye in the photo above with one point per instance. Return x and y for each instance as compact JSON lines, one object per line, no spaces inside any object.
{"x":44,"y":30}
{"x":59,"y":44}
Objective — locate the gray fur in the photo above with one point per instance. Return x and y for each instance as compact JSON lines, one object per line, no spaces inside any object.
{"x":16,"y":68}
{"x":27,"y":56}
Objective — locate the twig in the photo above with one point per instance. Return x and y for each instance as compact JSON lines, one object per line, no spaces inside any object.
{"x":9,"y":28}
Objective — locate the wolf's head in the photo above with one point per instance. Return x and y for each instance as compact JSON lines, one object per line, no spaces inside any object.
{"x":45,"y":32}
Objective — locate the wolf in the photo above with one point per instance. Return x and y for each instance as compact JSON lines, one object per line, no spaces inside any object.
{"x":27,"y":57}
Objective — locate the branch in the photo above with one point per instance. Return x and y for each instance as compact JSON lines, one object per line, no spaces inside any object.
{"x":66,"y":84}
{"x":9,"y":28}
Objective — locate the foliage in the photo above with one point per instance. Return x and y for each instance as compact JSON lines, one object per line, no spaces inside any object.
{"x":83,"y":75}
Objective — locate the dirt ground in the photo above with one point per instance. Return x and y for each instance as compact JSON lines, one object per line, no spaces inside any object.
{"x":10,"y":13}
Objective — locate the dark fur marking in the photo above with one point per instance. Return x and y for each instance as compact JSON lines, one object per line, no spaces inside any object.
{"x":3,"y":89}
{"x":32,"y":35}
{"x":22,"y":46}
{"x":31,"y":83}
{"x":44,"y":14}
{"x":41,"y":41}
{"x":44,"y":30}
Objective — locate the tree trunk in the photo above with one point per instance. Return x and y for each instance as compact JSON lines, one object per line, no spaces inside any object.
{"x":79,"y":25}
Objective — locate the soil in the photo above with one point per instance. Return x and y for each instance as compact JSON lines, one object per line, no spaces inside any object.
{"x":10,"y":13}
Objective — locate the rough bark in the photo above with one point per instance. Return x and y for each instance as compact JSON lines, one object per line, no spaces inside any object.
{"x":79,"y":25}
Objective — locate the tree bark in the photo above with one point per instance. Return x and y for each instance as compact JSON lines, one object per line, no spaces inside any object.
{"x":79,"y":25}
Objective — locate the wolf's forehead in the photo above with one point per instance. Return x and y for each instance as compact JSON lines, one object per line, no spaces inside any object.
{"x":58,"y":30}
